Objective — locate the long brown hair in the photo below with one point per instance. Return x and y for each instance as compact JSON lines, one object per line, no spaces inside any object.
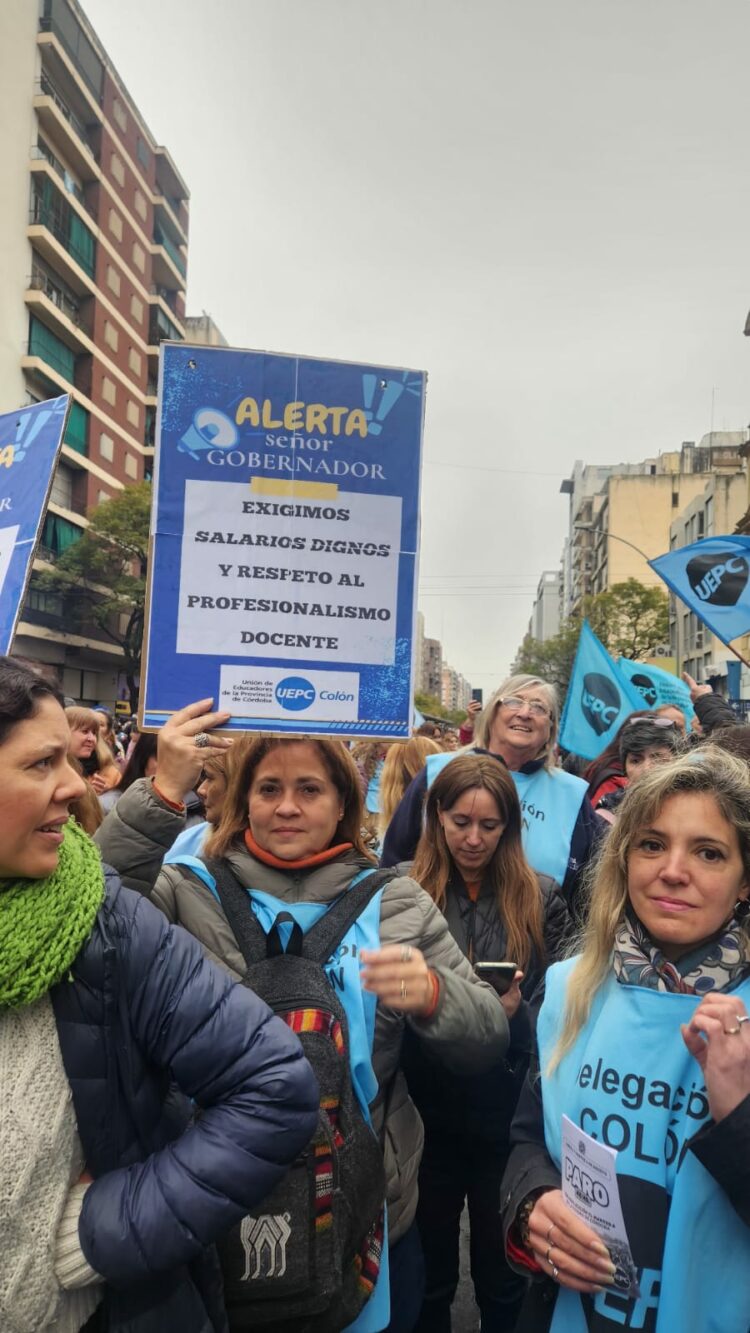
{"x":250,"y":752}
{"x":516,"y":888}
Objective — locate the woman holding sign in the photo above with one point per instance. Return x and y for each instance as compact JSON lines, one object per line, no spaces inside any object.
{"x":643,"y":1044}
{"x":289,"y":846}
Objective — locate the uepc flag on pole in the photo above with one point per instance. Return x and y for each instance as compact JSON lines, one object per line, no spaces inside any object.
{"x":598,"y":701}
{"x":711,"y":577}
{"x":656,"y":687}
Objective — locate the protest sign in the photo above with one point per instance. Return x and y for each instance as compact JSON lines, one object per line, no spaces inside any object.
{"x":598,"y":701}
{"x":30,"y":442}
{"x":284,"y":542}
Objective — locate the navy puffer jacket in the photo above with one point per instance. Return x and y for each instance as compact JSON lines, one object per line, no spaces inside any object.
{"x":144,"y":1009}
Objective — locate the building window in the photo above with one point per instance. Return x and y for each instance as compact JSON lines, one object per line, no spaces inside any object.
{"x":132,"y":413}
{"x":135,"y":361}
{"x":111,"y":336}
{"x":52,"y":210}
{"x":119,"y":116}
{"x":136,"y":309}
{"x":117,"y":169}
{"x":102,"y":496}
{"x":115,"y":224}
{"x":141,"y":208}
{"x":106,"y":447}
{"x":701,"y":522}
{"x":58,"y":534}
{"x":46,"y":345}
{"x":139,"y":257}
{"x":131,"y":466}
{"x":77,"y":430}
{"x":109,"y":391}
{"x":113,"y":280}
{"x":62,"y":487}
{"x":144,"y":156}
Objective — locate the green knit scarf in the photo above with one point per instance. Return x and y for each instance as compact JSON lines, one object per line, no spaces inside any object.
{"x":45,"y":922}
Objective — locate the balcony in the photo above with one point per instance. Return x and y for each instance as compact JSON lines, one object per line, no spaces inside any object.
{"x":61,"y":308}
{"x":160,"y":327}
{"x":168,"y":264}
{"x":51,"y":210}
{"x":63,"y":128}
{"x":167,"y":213}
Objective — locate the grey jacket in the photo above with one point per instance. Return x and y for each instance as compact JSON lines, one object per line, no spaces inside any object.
{"x":467,"y":1033}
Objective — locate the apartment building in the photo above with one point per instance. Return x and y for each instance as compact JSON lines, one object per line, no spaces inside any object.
{"x":545,"y":615}
{"x":93,"y":262}
{"x":615,"y":527}
{"x":455,"y":690}
{"x":714,"y":512}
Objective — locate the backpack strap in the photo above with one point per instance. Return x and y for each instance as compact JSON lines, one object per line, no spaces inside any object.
{"x":247,"y":930}
{"x":322,"y":939}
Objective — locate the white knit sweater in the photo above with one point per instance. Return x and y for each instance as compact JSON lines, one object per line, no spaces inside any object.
{"x":45,"y":1281}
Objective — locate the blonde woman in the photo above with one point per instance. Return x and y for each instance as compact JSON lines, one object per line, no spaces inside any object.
{"x":92,"y":752}
{"x":519,"y":727}
{"x":402,"y":764}
{"x":644,"y":1043}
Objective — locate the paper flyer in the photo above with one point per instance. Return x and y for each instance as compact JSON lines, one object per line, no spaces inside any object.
{"x":590,"y":1189}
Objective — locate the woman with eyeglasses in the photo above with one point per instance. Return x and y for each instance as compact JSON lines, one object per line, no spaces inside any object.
{"x":518,"y":727}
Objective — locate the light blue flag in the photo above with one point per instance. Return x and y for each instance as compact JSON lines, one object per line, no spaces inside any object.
{"x":657,"y":687}
{"x":598,"y":701}
{"x":711,"y":577}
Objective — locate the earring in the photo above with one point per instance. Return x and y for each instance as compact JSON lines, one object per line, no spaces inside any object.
{"x":742,"y":909}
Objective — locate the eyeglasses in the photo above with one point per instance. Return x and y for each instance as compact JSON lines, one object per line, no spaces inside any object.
{"x":651,"y":721}
{"x":514,"y":703}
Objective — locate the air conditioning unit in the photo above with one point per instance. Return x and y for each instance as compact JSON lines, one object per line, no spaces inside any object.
{"x":699,"y":638}
{"x":38,"y":282}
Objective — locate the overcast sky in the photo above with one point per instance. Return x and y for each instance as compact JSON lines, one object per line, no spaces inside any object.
{"x":543,"y":204}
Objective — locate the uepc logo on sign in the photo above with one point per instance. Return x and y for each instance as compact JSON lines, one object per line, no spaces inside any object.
{"x":295,"y":693}
{"x":719,"y":578}
{"x":600,"y":702}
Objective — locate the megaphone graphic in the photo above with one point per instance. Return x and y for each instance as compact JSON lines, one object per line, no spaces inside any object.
{"x":211,"y":429}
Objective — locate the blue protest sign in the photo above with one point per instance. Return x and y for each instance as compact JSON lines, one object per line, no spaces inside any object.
{"x":284,"y":542}
{"x":657,"y":687}
{"x":598,"y":700}
{"x":30,"y":441}
{"x":711,"y":577}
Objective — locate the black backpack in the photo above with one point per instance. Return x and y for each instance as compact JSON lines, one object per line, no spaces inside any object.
{"x":307,"y":1258}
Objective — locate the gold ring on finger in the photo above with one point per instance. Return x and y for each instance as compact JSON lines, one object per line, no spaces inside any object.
{"x":550,"y":1229}
{"x":732,"y":1032}
{"x":555,"y":1272}
{"x":547,"y":1259}
{"x":403,"y":989}
{"x":743,"y":1018}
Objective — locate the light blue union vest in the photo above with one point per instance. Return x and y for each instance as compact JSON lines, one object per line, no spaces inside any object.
{"x":550,"y":805}
{"x":630,"y":1082}
{"x":343,"y":972}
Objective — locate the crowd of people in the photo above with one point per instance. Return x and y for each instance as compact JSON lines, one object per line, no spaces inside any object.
{"x":276,"y":1012}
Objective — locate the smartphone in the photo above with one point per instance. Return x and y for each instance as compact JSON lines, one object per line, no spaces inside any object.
{"x":476,"y":696}
{"x":499,"y":975}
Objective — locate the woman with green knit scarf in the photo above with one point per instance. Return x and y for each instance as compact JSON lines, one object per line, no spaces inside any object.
{"x":111,"y":1191}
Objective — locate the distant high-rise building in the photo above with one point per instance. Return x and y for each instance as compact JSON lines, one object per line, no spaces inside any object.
{"x":93,"y":261}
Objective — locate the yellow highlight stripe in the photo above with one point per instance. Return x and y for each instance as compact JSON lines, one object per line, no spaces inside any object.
{"x":304,"y":490}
